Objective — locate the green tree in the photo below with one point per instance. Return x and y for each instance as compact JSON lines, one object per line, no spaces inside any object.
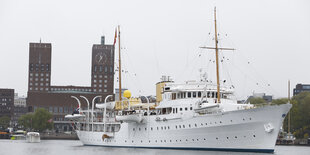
{"x":4,"y":122}
{"x":40,"y":120}
{"x":257,"y":100}
{"x":280,"y":101}
{"x":300,"y":115}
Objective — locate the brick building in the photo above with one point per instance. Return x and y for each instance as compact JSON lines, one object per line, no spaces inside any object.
{"x":57,"y":99}
{"x":6,"y":102}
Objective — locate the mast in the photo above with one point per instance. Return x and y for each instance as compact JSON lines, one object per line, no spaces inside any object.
{"x":217,"y":60}
{"x":289,"y":114}
{"x":120,"y":66}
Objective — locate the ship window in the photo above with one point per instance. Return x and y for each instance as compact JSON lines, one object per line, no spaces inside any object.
{"x":191,"y":108}
{"x":165,"y":128}
{"x":185,"y":108}
{"x":173,"y":96}
{"x":201,"y":124}
{"x":204,"y":139}
{"x":152,"y":128}
{"x":216,"y":94}
{"x":217,"y":138}
{"x":179,"y":96}
{"x":212,"y":94}
{"x":176,"y":110}
{"x":195,"y":125}
{"x":208,"y":94}
{"x":180,"y":126}
{"x":176,"y":126}
{"x":161,"y":128}
{"x":199,"y":94}
{"x":194,"y":94}
{"x":173,"y":110}
{"x":168,"y":127}
{"x":183,"y":126}
{"x":189,"y":94}
{"x":253,"y":135}
{"x":236,"y":137}
{"x":189,"y":125}
{"x":180,"y":109}
{"x":133,"y":129}
{"x":206,"y":123}
{"x":157,"y":128}
{"x":145,"y":129}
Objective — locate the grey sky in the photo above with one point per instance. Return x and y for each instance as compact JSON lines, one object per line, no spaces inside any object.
{"x":160,"y":37}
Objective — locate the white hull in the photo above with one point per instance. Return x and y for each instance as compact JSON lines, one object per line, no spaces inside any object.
{"x":241,"y":130}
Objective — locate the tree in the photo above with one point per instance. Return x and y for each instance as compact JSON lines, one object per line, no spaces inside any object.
{"x":280,"y":101}
{"x":257,"y":100}
{"x":4,"y":122}
{"x":300,"y":115}
{"x":40,"y":120}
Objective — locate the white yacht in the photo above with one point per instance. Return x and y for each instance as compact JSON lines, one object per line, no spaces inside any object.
{"x":196,"y":115}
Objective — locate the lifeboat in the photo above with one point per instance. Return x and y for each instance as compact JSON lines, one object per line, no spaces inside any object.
{"x":138,"y":118}
{"x":108,"y":105}
{"x":75,"y":117}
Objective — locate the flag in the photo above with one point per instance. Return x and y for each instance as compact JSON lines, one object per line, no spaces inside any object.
{"x":50,"y":120}
{"x":115,"y":37}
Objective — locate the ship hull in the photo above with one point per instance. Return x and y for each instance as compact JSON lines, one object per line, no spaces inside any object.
{"x":251,"y":130}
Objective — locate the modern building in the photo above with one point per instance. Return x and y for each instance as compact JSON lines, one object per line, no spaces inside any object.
{"x":58,"y":99}
{"x":20,"y":108}
{"x":6,"y":102}
{"x":301,"y":88}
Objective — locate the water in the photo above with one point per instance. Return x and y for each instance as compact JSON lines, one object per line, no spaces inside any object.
{"x":70,"y":147}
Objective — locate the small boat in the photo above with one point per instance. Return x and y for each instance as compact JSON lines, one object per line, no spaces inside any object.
{"x":75,"y":117}
{"x":33,"y":137}
{"x":18,"y":135}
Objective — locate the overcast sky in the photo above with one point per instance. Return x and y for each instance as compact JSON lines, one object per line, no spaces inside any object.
{"x":161,"y":37}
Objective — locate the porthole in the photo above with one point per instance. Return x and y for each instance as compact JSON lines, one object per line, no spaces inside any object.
{"x":183,"y":126}
{"x":204,"y":139}
{"x":206,"y":123}
{"x":220,"y":121}
{"x":227,"y":137}
{"x":156,"y":141}
{"x":180,"y":140}
{"x":165,"y":141}
{"x":165,"y":128}
{"x":217,"y":138}
{"x":193,"y":140}
{"x":250,"y":118}
{"x":176,"y":127}
{"x":149,"y":141}
{"x":195,"y":125}
{"x":152,"y":128}
{"x":230,"y":120}
{"x":236,"y":137}
{"x":214,"y":122}
{"x":186,"y":140}
{"x":133,"y":129}
{"x":125,"y":141}
{"x":189,"y":125}
{"x":141,"y":141}
{"x":180,"y":126}
{"x":161,"y":140}
{"x":157,"y":128}
{"x":170,"y":141}
{"x":243,"y":119}
{"x":139,"y":129}
{"x":145,"y":129}
{"x":161,"y":128}
{"x":132,"y":141}
{"x":254,"y":136}
{"x":201,"y":124}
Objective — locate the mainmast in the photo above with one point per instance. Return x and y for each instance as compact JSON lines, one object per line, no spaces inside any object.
{"x":120,"y":66}
{"x":217,"y":58}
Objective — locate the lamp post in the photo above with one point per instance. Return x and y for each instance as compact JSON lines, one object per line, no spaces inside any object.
{"x":92,"y":112}
{"x":87,"y":111}
{"x":105,"y":111}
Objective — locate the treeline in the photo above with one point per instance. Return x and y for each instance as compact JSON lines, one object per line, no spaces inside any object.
{"x":40,"y":120}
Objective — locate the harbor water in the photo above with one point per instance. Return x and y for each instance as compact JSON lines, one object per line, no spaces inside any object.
{"x":75,"y":147}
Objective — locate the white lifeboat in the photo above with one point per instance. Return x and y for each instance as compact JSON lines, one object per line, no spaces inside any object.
{"x":108,"y":105}
{"x":138,"y":118}
{"x":33,"y":137}
{"x":74,"y":117}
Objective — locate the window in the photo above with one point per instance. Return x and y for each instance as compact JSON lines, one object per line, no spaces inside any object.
{"x":189,"y":94}
{"x":100,"y":68}
{"x":60,"y":109}
{"x":100,"y":81}
{"x":47,"y":67}
{"x":194,"y":94}
{"x":50,"y":109}
{"x":199,"y":94}
{"x":30,"y":84}
{"x":41,"y":84}
{"x":105,"y":69}
{"x":111,"y":69}
{"x":180,"y":109}
{"x":55,"y":110}
{"x":37,"y":66}
{"x":41,"y":79}
{"x":185,"y":108}
{"x":31,"y":68}
{"x":46,"y":84}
